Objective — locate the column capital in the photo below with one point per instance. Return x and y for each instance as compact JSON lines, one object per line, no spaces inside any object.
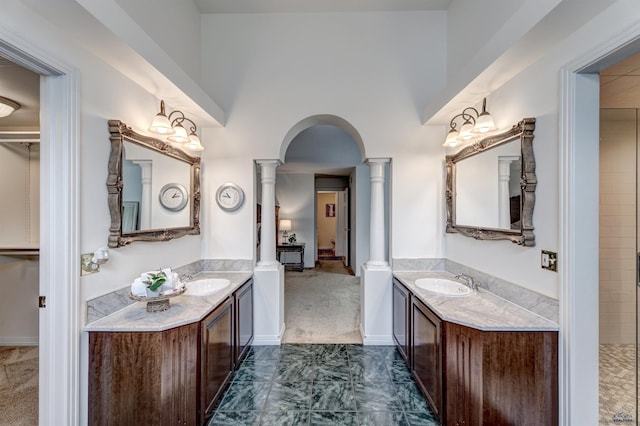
{"x":372,"y":161}
{"x":266,"y":163}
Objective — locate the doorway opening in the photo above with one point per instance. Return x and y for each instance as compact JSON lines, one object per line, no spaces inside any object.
{"x":317,"y":194}
{"x":19,"y":245}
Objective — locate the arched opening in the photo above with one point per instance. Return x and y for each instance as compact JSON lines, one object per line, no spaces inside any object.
{"x":322,"y":189}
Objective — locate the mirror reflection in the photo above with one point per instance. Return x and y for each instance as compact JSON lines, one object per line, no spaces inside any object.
{"x":491,"y":185}
{"x":154,"y":189}
{"x":144,"y":173}
{"x":488,"y":188}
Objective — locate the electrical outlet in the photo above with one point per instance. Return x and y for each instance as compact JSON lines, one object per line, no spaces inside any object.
{"x":549,"y":260}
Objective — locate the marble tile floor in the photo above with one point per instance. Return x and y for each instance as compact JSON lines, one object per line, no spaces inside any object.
{"x":618,"y":397}
{"x":318,"y":384}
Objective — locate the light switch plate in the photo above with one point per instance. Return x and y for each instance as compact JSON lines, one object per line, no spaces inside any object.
{"x":549,"y":260}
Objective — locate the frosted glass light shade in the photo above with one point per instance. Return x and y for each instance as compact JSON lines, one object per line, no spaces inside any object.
{"x":160,"y":124}
{"x":7,"y":106}
{"x":180,"y":136}
{"x":465,"y":131}
{"x":484,"y":124}
{"x":194,"y":143}
{"x":452,"y":138}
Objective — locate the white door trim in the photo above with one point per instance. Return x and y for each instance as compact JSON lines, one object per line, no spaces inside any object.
{"x":578,"y":226}
{"x":59,"y":322}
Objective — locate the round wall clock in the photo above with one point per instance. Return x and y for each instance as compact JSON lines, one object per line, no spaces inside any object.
{"x":229,"y":196}
{"x":174,"y":197}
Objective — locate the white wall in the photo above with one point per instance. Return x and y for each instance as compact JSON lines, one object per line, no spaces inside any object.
{"x":104,"y":94}
{"x":326,"y":225}
{"x":295,"y":192}
{"x":19,"y":221}
{"x":374,"y":70}
{"x":534,"y":93}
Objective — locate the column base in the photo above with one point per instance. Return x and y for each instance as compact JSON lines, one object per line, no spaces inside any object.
{"x":268,"y":304}
{"x":377,"y":304}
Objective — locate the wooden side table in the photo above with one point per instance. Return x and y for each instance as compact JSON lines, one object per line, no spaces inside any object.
{"x":291,"y":248}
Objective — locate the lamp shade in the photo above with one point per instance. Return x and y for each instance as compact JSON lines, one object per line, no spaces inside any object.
{"x":194,"y":143}
{"x":452,"y":138}
{"x":285,"y":224}
{"x":7,"y":106}
{"x":180,"y":136}
{"x":160,"y":124}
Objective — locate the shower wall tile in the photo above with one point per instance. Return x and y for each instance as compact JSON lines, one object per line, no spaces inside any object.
{"x":617,"y":253}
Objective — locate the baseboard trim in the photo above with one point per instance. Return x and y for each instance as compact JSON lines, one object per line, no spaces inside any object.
{"x":19,"y":341}
{"x":380,"y":340}
{"x":269,"y":339}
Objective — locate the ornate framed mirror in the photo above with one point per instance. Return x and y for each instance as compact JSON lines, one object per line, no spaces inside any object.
{"x":154,"y":189}
{"x":490,"y":187}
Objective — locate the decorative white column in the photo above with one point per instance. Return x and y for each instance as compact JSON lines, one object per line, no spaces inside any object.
{"x":268,"y":218}
{"x":376,"y":221}
{"x":268,"y":275}
{"x":504,"y":204}
{"x":376,"y":278}
{"x":146,"y":200}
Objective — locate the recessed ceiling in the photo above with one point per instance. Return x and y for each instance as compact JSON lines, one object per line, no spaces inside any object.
{"x":309,"y":6}
{"x":620,"y":84}
{"x":23,"y":86}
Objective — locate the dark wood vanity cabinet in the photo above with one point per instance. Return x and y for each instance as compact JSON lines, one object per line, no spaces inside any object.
{"x":426,"y":354}
{"x":143,"y":377}
{"x":243,"y":299}
{"x":474,"y":377}
{"x":216,"y":355}
{"x":401,"y":306}
{"x":171,"y":377}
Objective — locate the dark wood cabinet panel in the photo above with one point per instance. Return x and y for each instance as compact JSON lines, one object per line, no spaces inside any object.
{"x":217,"y":355}
{"x":474,"y":377}
{"x":135,"y":376}
{"x":401,"y":307}
{"x":244,"y":320}
{"x":426,"y":354}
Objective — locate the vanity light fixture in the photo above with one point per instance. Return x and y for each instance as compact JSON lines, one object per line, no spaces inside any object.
{"x":163,"y":124}
{"x":471,"y":127}
{"x":8,"y":106}
{"x":285,"y":227}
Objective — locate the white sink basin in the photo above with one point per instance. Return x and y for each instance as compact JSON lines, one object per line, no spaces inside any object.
{"x":443,"y":287}
{"x":207,"y":286}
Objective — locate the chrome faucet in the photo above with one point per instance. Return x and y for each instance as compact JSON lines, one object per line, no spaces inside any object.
{"x":468,"y":280}
{"x":186,"y":278}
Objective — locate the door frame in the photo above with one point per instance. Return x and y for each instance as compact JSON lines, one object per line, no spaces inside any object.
{"x":59,"y":322}
{"x":578,"y":229}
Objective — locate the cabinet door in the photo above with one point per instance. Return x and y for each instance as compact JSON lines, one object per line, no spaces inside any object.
{"x":143,"y":378}
{"x":426,"y":354}
{"x":463,"y":375}
{"x":216,"y":355}
{"x":244,"y":320}
{"x":401,"y":319}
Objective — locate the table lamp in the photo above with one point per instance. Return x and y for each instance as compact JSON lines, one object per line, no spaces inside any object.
{"x":285,"y":227}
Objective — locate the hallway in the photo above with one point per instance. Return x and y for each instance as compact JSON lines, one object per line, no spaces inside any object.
{"x":322,"y":305}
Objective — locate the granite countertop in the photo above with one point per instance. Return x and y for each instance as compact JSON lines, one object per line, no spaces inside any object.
{"x":482,"y":310}
{"x":184,"y":309}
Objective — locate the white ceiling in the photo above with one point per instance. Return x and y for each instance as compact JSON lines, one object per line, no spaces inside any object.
{"x":309,"y":6}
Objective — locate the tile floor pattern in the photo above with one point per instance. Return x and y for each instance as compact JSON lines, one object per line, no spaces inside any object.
{"x":617,"y":383}
{"x":314,"y":384}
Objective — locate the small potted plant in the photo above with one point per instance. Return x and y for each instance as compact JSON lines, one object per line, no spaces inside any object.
{"x":154,"y":281}
{"x":292,"y":238}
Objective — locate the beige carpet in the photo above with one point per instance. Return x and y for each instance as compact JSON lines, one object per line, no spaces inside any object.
{"x":18,"y":385}
{"x":322,"y":305}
